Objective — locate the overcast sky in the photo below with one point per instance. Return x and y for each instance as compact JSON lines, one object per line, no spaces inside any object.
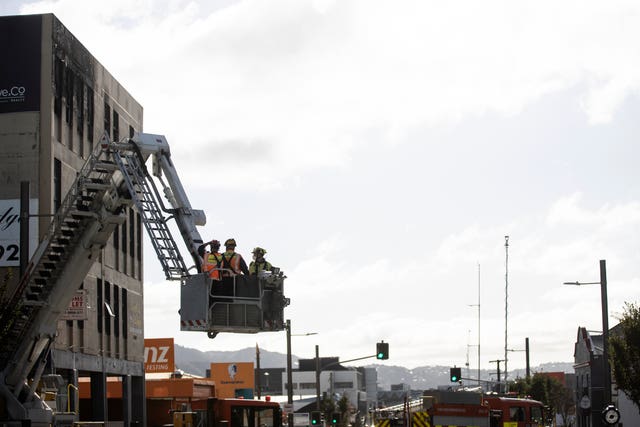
{"x":382,"y":150}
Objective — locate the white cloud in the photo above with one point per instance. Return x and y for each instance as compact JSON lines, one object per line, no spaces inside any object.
{"x":305,"y":79}
{"x":304,"y":97}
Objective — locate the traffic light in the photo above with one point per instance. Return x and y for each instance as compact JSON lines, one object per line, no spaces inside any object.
{"x":455,"y":374}
{"x":335,"y":418}
{"x":382,"y":350}
{"x":316,"y":418}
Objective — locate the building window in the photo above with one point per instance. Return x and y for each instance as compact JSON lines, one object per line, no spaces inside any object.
{"x":80,"y":115}
{"x":132,"y":132}
{"x":308,"y":386}
{"x":125,"y":317}
{"x":132,"y":240}
{"x":123,"y":246}
{"x":116,"y":247}
{"x":107,"y":118}
{"x":116,"y":310}
{"x":90,"y":112}
{"x":57,"y":184}
{"x":108,"y":312}
{"x":139,"y":244}
{"x":100,"y":309}
{"x":68,"y":90}
{"x":116,"y":126}
{"x":343,"y":384}
{"x":58,"y":79}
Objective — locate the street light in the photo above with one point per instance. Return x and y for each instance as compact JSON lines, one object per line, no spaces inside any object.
{"x":605,"y":327}
{"x":289,"y":373}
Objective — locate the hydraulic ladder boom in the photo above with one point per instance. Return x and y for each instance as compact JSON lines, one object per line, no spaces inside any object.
{"x":113,"y":177}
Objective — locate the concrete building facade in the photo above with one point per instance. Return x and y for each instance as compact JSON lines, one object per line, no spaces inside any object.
{"x":56,"y":102}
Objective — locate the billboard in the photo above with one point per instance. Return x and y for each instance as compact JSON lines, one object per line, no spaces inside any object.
{"x":231,"y":377}
{"x":20,"y":43}
{"x":159,"y":355}
{"x":10,"y":231}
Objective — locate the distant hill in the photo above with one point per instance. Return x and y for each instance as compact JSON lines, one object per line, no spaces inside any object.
{"x":196,"y":362}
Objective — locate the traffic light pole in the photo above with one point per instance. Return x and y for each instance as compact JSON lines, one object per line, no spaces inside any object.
{"x":479,"y":380}
{"x":346,"y":361}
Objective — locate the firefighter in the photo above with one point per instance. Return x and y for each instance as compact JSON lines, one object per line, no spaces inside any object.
{"x":233,"y":261}
{"x":211,"y":259}
{"x":259,"y":263}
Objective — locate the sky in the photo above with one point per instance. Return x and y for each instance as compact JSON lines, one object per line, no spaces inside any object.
{"x":381,"y":151}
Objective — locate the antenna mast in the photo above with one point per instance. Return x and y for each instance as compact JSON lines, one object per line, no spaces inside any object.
{"x":506,"y":307}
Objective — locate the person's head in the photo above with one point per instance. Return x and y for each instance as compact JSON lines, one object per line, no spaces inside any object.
{"x":214,"y":245}
{"x":230,"y":244}
{"x":258,"y":253}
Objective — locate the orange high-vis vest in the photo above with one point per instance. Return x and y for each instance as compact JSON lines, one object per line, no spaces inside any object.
{"x":231,"y":260}
{"x":211,"y":263}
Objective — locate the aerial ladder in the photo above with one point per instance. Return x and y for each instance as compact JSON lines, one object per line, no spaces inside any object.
{"x":114,"y":177}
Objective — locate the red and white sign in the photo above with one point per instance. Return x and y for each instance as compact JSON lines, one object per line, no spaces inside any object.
{"x":77,"y":309}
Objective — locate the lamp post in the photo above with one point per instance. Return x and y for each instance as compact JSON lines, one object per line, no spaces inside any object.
{"x":605,"y":328}
{"x":289,"y":368}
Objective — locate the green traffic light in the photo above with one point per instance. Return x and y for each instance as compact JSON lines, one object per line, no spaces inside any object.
{"x":455,"y":374}
{"x":382,"y":350}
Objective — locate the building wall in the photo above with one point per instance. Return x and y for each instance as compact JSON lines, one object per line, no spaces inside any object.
{"x":65,"y":100}
{"x":304,"y":382}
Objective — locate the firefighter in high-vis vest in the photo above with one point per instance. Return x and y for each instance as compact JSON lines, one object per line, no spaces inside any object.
{"x":211,"y":259}
{"x":259,"y":263}
{"x":232,"y":262}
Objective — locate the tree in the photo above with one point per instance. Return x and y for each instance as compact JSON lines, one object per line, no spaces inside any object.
{"x":327,"y":406}
{"x":624,"y":345}
{"x":343,"y":408}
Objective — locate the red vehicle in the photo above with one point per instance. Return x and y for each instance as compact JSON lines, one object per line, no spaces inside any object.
{"x":462,"y":408}
{"x":512,"y":412}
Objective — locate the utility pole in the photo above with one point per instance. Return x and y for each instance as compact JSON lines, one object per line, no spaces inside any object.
{"x":478,"y":323}
{"x":605,"y":331}
{"x":317,"y":378}
{"x":259,"y":376}
{"x":526,"y":349}
{"x":497,"y":362}
{"x":289,"y":375}
{"x":478,"y":345}
{"x":506,"y":308}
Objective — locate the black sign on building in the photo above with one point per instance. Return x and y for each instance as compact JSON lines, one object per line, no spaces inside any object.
{"x":20,"y":41}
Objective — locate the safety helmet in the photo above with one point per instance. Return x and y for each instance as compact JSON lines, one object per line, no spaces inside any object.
{"x":258,"y":251}
{"x":230,"y":243}
{"x":215,"y":244}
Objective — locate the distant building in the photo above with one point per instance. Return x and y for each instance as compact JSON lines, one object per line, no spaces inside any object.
{"x":56,"y":101}
{"x":359,"y":385}
{"x":400,"y":387}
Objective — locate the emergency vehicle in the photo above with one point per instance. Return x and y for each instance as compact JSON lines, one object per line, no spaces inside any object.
{"x":115,"y":176}
{"x":439,"y":408}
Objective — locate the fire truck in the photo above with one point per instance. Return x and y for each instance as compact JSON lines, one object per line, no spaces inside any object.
{"x":115,"y":176}
{"x":439,"y":408}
